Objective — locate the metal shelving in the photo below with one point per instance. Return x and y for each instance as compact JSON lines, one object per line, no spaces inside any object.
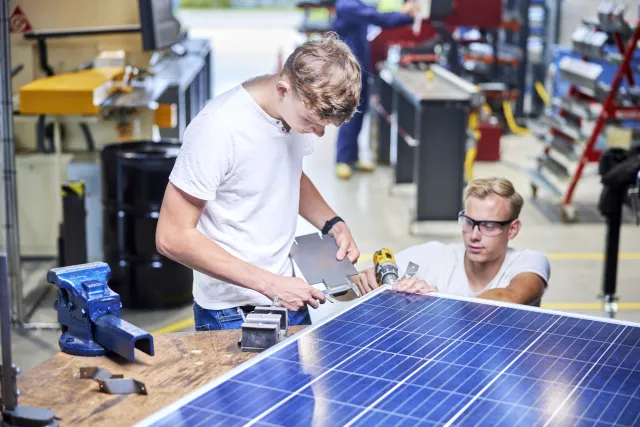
{"x":567,"y":149}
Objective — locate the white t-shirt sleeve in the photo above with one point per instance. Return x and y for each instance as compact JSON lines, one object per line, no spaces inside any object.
{"x":425,"y":255}
{"x":205,"y":158}
{"x":529,"y":261}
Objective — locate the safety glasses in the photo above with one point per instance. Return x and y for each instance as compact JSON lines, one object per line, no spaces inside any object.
{"x":487,"y":228}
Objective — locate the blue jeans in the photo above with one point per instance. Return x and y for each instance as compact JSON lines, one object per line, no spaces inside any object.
{"x":230,"y":318}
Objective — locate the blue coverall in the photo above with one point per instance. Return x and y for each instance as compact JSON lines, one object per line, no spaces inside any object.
{"x":351,"y":22}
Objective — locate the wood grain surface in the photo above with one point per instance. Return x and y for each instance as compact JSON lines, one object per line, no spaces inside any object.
{"x":183,"y":362}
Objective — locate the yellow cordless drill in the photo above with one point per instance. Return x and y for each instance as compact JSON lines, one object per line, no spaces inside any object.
{"x":385,"y":267}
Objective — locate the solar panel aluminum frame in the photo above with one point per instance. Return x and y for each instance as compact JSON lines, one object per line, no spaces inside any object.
{"x":166,"y":411}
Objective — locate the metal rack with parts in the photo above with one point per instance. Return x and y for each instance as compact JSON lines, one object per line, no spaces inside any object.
{"x":569,"y":143}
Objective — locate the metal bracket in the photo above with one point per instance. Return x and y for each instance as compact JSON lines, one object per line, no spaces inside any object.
{"x":122,"y":386}
{"x":95,"y":373}
{"x":112,"y":383}
{"x":412,"y":269}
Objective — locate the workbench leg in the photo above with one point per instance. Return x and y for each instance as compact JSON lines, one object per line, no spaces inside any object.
{"x":440,"y":161}
{"x":403,"y":123}
{"x":383,"y":127}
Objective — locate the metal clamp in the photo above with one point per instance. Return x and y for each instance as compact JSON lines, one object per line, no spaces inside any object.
{"x":264,"y":328}
{"x":90,"y":312}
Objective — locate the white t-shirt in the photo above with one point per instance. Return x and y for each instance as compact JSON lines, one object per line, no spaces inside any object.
{"x":248,"y":168}
{"x":442,"y":265}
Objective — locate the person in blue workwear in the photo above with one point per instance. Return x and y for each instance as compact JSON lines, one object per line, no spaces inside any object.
{"x":352,"y":19}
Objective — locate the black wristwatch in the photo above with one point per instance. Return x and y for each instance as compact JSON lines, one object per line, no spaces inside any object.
{"x":329,"y":224}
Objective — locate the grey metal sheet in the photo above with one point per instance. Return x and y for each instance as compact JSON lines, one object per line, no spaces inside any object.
{"x":315,"y":256}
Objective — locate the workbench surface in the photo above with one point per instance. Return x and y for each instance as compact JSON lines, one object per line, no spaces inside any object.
{"x":183,"y":362}
{"x":418,"y":88}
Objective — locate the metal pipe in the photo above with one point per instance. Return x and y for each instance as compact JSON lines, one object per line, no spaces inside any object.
{"x":10,"y":226}
{"x":523,"y":66}
{"x":9,"y":395}
{"x":610,"y":273}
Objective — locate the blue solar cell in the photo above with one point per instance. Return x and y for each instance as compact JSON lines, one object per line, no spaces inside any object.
{"x":532,"y":417}
{"x":630,"y":415}
{"x":377,"y":418}
{"x":180,"y":417}
{"x":398,"y":359}
{"x":304,"y":410}
{"x":616,"y":406}
{"x":503,"y":415}
{"x":425,"y":325}
{"x":631,"y":384}
{"x":477,"y":412}
{"x":632,"y":338}
{"x":396,"y":342}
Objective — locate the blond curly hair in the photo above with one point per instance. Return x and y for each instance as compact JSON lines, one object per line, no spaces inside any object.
{"x":326,"y":77}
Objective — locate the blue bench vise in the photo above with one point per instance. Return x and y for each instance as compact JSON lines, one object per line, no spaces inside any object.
{"x":89,"y":312}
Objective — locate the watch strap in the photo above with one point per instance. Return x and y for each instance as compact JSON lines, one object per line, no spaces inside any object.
{"x":329,"y":224}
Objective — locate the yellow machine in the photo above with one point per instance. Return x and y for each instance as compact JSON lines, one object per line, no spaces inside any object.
{"x":77,"y":93}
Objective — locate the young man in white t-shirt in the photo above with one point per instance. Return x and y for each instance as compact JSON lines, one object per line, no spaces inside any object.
{"x":230,"y":209}
{"x":483,"y":266}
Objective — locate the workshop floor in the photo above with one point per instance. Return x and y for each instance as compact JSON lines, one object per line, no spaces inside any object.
{"x":377,"y":213}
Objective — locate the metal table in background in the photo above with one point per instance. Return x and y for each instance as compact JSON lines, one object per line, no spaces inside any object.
{"x":427,"y":140}
{"x":189,"y":83}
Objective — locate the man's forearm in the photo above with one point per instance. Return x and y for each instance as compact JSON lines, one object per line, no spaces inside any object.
{"x":313,"y":207}
{"x":194,"y":250}
{"x":501,"y":294}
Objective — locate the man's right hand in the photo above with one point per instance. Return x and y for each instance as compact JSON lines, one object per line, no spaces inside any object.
{"x":294,"y":293}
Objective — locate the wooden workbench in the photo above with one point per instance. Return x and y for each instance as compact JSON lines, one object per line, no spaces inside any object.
{"x":183,"y":362}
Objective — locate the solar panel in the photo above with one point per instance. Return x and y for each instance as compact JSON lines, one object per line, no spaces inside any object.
{"x":402,"y":359}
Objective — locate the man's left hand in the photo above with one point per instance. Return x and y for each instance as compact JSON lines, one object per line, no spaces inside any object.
{"x":414,"y":286}
{"x":346,"y":245}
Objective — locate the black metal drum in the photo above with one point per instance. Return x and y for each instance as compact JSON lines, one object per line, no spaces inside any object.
{"x":134,"y":178}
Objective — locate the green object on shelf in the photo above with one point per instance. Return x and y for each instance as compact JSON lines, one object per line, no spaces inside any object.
{"x":319,"y":14}
{"x":390,"y":5}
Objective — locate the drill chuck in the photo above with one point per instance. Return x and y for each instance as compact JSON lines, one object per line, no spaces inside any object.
{"x":385,"y":267}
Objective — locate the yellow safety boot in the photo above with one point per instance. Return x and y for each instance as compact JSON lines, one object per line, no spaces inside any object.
{"x":365,"y":166}
{"x":343,"y":171}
